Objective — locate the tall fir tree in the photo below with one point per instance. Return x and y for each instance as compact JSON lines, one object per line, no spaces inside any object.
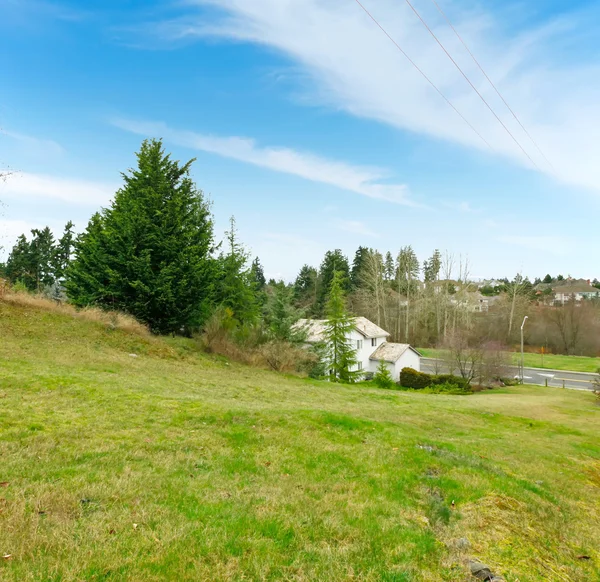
{"x":20,"y":265}
{"x":236,"y":289}
{"x":63,"y":252}
{"x":358,"y":267}
{"x":43,"y":251}
{"x":432,"y":267}
{"x":389,"y":267}
{"x":149,"y":253}
{"x":281,"y":315}
{"x":340,"y":351}
{"x":257,"y":275}
{"x":305,"y":288}
{"x":334,"y":262}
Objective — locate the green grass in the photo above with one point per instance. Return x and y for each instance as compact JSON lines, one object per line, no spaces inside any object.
{"x":547,"y":361}
{"x":174,"y":466}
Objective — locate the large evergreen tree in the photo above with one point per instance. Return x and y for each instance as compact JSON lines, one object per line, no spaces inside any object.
{"x":149,"y":253}
{"x":358,"y":267}
{"x":305,"y":288}
{"x":236,"y":288}
{"x":20,"y":265}
{"x":281,"y":315}
{"x":340,"y":351}
{"x":334,"y":262}
{"x":63,"y":251}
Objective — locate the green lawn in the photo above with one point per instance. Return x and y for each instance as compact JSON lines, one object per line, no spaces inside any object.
{"x":174,"y":466}
{"x":548,"y":361}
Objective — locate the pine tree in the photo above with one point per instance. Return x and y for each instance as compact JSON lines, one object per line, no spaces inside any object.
{"x":389,"y":267}
{"x":43,"y":251}
{"x":383,"y":376}
{"x":281,"y":315}
{"x":432,"y":267}
{"x":20,"y":265}
{"x":334,"y":262}
{"x":358,"y":266}
{"x":257,"y":275}
{"x":341,"y":354}
{"x":63,"y":251}
{"x":235,"y":289}
{"x":149,"y":253}
{"x":305,"y":288}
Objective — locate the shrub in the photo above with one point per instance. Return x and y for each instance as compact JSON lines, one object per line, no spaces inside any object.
{"x":410,"y":378}
{"x":383,"y":377}
{"x":449,"y":388}
{"x":283,"y":356}
{"x":450,"y":379}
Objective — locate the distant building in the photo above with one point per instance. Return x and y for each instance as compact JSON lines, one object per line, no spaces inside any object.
{"x":372,"y":347}
{"x":575,"y":291}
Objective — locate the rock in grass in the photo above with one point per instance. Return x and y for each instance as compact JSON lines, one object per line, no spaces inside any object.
{"x":481,"y":571}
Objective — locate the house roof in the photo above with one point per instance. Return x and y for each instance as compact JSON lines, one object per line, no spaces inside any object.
{"x":368,"y":328}
{"x":390,"y":352}
{"x":576,"y":288}
{"x":315,"y":328}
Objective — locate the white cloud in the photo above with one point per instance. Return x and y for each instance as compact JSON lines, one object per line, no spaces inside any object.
{"x":361,"y":180}
{"x":46,"y":146}
{"x":549,"y":74}
{"x":355,"y":227}
{"x":81,"y":192}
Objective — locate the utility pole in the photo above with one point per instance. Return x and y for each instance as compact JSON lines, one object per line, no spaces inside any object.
{"x":522,"y":350}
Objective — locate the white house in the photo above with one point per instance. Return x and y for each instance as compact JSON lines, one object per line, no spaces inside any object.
{"x":370,"y":342}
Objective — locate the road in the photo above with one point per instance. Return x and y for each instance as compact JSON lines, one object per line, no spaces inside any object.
{"x":556,"y":378}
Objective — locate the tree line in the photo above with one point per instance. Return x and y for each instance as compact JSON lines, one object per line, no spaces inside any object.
{"x":153,"y":253}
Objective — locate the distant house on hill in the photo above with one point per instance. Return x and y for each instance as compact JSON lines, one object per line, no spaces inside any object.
{"x":576,"y":291}
{"x":371,"y":345}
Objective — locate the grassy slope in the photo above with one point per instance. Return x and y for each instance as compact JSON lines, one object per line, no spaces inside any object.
{"x":172,"y":466}
{"x":548,"y":361}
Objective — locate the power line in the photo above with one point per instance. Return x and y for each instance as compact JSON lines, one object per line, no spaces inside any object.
{"x":471,"y":84}
{"x":491,"y":82}
{"x":424,"y":75}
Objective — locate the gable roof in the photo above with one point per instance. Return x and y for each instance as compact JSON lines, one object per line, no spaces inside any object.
{"x":315,"y":328}
{"x":368,"y":328}
{"x":577,"y":288}
{"x":390,"y":352}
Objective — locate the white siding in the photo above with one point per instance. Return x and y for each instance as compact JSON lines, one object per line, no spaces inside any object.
{"x":409,"y":359}
{"x":363,"y":355}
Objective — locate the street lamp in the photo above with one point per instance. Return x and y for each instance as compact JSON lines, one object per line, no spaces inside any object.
{"x":522,"y":353}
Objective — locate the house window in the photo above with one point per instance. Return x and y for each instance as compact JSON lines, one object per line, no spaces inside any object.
{"x":374,"y":341}
{"x":359,"y":344}
{"x":360,"y":367}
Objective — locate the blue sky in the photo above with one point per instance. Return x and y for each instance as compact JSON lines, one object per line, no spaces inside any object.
{"x":311,"y":128}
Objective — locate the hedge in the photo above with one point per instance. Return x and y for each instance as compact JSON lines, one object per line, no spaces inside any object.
{"x":410,"y":378}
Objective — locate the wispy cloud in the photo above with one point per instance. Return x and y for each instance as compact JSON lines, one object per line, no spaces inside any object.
{"x":548,"y":72}
{"x":41,"y":145}
{"x":361,"y":180}
{"x":71,"y":190}
{"x":355,"y":227}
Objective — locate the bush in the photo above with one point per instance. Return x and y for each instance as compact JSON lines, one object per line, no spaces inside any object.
{"x":283,"y":356}
{"x":450,"y":379}
{"x":449,"y":388}
{"x":383,"y":377}
{"x":410,"y":378}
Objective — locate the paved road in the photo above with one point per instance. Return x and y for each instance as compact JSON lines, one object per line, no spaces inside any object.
{"x":557,"y":378}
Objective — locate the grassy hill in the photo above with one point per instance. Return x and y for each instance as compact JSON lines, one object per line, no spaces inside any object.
{"x":128,"y":457}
